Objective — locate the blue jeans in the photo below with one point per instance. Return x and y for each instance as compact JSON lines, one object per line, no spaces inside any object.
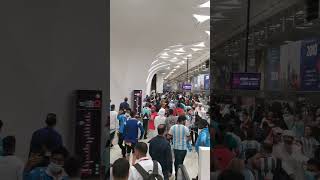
{"x":179,"y":156}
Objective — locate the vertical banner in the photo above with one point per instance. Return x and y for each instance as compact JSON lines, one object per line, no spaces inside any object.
{"x":283,"y":66}
{"x":310,"y":65}
{"x":294,"y":56}
{"x":206,"y":82}
{"x":273,"y":69}
{"x":201,"y":81}
{"x":290,"y":65}
{"x":137,"y":101}
{"x":195,"y":86}
{"x":88,"y":130}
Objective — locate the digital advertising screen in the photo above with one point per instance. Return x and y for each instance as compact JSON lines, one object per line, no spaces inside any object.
{"x":187,"y":87}
{"x":88,"y":130}
{"x":246,"y":81}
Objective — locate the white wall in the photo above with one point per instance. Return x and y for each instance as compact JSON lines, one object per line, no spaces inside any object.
{"x":128,"y":72}
{"x":48,"y":49}
{"x":139,"y":30}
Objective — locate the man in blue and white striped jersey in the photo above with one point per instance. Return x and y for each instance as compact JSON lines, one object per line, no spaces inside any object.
{"x":180,"y":135}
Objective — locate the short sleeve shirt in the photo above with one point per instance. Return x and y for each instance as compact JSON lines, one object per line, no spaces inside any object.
{"x":179,"y":134}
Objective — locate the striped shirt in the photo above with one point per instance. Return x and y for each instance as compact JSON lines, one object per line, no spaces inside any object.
{"x":268,"y":166}
{"x":248,"y":144}
{"x":179,"y":134}
{"x":309,"y":146}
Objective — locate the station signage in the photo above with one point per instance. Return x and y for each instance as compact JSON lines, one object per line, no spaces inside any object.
{"x":88,"y":130}
{"x":187,"y":87}
{"x":246,"y":81}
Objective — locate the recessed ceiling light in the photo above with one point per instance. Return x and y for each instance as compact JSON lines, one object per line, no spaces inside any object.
{"x":200,"y":45}
{"x":165,"y":54}
{"x":231,"y":2}
{"x":218,"y":16}
{"x":178,"y":45}
{"x":196,"y":49}
{"x":205,"y":5}
{"x":201,"y":18}
{"x":174,"y":60}
{"x":301,"y":27}
{"x":180,"y":50}
{"x":154,"y":61}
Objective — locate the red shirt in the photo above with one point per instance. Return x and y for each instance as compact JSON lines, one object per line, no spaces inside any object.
{"x":223,"y":155}
{"x":178,"y":112}
{"x":151,"y":121}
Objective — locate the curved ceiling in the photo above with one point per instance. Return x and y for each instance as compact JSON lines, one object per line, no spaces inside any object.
{"x":140,"y":30}
{"x":153,"y":24}
{"x":172,"y":59}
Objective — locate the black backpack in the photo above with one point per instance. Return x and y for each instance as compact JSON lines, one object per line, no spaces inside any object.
{"x":280,"y":174}
{"x":146,"y":116}
{"x":145,"y":175}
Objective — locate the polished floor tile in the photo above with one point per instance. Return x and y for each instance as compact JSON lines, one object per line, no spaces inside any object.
{"x":191,"y":160}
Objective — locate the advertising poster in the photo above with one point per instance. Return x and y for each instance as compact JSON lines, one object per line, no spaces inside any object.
{"x":273,"y":69}
{"x":206,"y":82}
{"x":195,"y":86}
{"x":290,"y":56}
{"x":187,"y":87}
{"x":88,"y":130}
{"x":246,"y":81}
{"x":201,"y":81}
{"x":294,"y":65}
{"x":137,"y":101}
{"x":223,"y":75}
{"x":310,"y":65}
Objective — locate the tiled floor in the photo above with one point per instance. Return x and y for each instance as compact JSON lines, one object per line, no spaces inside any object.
{"x":190,"y":162}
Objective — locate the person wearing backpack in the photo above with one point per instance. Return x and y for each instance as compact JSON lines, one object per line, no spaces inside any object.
{"x":146,"y":114}
{"x":145,"y":168}
{"x":160,"y":150}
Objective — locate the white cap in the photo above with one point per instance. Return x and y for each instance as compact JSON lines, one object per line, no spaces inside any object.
{"x":288,"y":133}
{"x":277,"y":130}
{"x":162,"y":112}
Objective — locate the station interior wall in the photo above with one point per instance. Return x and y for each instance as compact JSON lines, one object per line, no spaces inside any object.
{"x":48,"y":50}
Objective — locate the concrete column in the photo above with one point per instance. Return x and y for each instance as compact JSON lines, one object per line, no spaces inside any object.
{"x":204,"y":163}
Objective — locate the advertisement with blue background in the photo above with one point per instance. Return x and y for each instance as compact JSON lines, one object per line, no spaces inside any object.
{"x":273,"y":69}
{"x":206,"y":82}
{"x":310,"y":65}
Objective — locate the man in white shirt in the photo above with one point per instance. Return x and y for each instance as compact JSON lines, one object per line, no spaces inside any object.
{"x":200,"y":110}
{"x":144,"y":166}
{"x":113,"y":122}
{"x":11,"y":167}
{"x":291,"y":156}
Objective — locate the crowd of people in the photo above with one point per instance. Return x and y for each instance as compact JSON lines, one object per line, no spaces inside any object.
{"x":172,"y":123}
{"x":265,"y":141}
{"x":48,"y":158}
